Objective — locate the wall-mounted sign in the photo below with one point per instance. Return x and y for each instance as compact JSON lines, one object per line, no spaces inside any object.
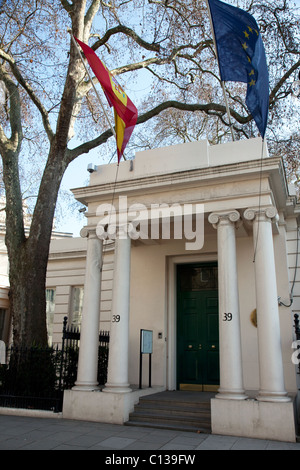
{"x":146,"y":341}
{"x":146,"y":346}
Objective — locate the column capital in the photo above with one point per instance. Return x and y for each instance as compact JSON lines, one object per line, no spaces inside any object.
{"x":223,"y":217}
{"x":122,"y":230}
{"x":264,"y":214}
{"x":88,"y":232}
{"x":113,"y":231}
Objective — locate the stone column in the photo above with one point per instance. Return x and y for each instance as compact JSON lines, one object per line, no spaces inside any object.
{"x":117,"y":377}
{"x":89,"y":331}
{"x":231,"y":375}
{"x":268,"y":328}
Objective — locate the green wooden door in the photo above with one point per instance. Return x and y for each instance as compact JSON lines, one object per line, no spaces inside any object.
{"x":197,"y":327}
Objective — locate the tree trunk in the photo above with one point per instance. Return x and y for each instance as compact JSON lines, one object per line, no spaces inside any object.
{"x":27,"y":295}
{"x":28,"y":253}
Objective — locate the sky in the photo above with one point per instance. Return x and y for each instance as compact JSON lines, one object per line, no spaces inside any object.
{"x":77,"y":175}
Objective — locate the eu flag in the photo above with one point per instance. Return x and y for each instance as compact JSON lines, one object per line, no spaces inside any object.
{"x":241,"y":56}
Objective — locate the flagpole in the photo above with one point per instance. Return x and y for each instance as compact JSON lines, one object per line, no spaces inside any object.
{"x":91,"y":80}
{"x":227,"y":109}
{"x":222,"y":82}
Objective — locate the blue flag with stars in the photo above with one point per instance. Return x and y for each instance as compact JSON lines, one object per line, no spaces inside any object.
{"x":241,"y":56}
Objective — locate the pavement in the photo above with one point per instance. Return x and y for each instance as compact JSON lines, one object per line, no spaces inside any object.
{"x":117,"y":441}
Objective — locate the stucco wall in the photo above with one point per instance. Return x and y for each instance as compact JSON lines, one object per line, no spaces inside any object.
{"x":66,"y":269}
{"x":150,"y":284}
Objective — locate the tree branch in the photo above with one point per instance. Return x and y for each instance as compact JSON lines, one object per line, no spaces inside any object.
{"x":14,"y":143}
{"x":17,"y":74}
{"x":91,"y":13}
{"x":67,"y":6}
{"x":128,"y":32}
{"x":206,"y":108}
{"x":139,"y":65}
{"x":281,"y":82}
{"x":165,"y":60}
{"x":210,"y":108}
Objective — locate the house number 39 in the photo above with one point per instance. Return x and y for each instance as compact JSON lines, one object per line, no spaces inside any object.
{"x":227,"y":317}
{"x":115,"y":318}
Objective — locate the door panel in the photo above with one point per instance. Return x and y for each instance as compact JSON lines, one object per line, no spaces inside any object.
{"x":188,"y":336}
{"x":197,"y":328}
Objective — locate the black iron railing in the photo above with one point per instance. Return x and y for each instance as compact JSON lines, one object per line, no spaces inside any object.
{"x":30,"y":379}
{"x":36,"y":378}
{"x":70,"y":347}
{"x":297,"y":334}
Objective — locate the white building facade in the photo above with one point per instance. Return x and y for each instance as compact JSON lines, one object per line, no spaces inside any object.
{"x":198,"y":245}
{"x":208,"y":267}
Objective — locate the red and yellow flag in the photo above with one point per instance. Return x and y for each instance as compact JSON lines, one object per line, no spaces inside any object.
{"x":125,"y":111}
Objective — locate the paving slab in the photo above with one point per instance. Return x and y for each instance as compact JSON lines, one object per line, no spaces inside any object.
{"x":26,"y":433}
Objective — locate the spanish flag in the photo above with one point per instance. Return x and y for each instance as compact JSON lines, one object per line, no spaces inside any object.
{"x":125,"y":112}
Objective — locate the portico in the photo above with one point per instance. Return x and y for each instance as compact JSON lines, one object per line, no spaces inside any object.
{"x":218,"y":204}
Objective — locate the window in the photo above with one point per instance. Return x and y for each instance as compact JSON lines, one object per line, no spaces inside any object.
{"x":50,"y":307}
{"x":198,"y":278}
{"x":2,"y":324}
{"x":77,"y":305}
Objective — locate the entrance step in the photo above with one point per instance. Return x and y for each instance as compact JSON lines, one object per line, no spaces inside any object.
{"x":178,"y":410}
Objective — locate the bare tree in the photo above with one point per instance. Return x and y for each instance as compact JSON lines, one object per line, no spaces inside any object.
{"x":49,"y":115}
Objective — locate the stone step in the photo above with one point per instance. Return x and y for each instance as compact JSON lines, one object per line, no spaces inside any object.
{"x":170,"y":411}
{"x":175,"y":403}
{"x":169,"y":425}
{"x":140,"y":415}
